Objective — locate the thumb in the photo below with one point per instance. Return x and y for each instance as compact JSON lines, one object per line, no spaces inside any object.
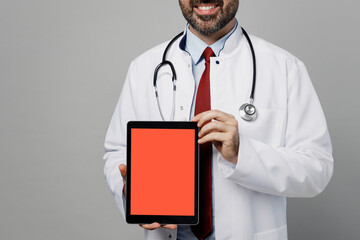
{"x":122,"y":169}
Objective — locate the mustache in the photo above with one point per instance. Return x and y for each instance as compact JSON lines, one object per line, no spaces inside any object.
{"x":194,"y":3}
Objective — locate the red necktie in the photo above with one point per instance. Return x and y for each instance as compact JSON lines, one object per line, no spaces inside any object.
{"x":203,"y":103}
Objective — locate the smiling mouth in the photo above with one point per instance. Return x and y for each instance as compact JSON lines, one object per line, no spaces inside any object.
{"x":206,"y":9}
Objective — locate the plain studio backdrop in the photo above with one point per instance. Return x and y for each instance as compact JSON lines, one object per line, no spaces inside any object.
{"x":62,"y":67}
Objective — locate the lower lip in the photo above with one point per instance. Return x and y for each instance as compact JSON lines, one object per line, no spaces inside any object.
{"x":206,"y":12}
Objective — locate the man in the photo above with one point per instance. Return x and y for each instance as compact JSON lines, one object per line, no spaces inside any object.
{"x":255,"y":165}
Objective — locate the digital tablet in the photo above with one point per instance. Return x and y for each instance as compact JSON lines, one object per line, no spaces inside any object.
{"x":162,"y":173}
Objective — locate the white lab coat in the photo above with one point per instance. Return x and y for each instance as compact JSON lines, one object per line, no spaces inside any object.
{"x":286,"y":152}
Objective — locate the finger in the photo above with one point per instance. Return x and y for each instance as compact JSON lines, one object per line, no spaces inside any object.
{"x":169,"y":226}
{"x":151,"y":226}
{"x":122,"y":169}
{"x":214,"y":126}
{"x":214,"y":136}
{"x":213,"y":114}
{"x":201,"y":115}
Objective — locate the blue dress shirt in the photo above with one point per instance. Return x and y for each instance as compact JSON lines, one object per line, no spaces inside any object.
{"x":195,"y":47}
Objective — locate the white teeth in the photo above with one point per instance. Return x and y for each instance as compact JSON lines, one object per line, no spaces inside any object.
{"x":206,"y":8}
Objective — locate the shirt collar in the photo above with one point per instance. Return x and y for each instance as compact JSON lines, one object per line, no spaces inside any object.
{"x":195,"y":46}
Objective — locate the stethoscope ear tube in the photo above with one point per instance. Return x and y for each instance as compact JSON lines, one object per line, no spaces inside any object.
{"x":173,"y":106}
{"x":166,"y":62}
{"x":162,"y":64}
{"x":254,"y":65}
{"x":174,"y":77}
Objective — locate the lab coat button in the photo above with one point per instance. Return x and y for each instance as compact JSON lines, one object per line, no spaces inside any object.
{"x":181,"y":108}
{"x":217,"y":62}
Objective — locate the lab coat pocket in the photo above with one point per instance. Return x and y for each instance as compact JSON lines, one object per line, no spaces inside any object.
{"x":273,"y":234}
{"x":267,"y":128}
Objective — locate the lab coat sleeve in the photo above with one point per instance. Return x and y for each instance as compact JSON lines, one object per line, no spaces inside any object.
{"x":115,"y":141}
{"x":303,"y":165}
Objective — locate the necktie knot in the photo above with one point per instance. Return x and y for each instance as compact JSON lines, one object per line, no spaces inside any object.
{"x":208,"y":52}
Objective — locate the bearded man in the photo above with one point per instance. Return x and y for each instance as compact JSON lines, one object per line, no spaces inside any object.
{"x":248,"y":168}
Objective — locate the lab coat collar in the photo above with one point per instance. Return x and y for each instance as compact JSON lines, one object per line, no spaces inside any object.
{"x":195,"y":46}
{"x":232,"y":42}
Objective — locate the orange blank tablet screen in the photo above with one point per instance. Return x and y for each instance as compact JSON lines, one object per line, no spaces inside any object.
{"x":162,"y":172}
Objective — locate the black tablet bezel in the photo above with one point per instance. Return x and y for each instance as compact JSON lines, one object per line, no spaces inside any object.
{"x":162,"y":219}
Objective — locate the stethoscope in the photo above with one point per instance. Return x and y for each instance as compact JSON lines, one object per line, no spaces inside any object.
{"x":247,"y":110}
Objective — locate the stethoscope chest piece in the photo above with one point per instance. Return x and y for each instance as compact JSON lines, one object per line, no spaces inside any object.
{"x":248,"y":112}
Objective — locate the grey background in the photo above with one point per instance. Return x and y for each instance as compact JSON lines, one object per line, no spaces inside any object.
{"x":62,"y":66}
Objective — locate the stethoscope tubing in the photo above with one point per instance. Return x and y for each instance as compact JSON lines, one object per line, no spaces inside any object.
{"x":248,"y":115}
{"x":254,"y":66}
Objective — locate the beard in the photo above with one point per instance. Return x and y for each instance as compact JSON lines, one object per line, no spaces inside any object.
{"x":208,"y":24}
